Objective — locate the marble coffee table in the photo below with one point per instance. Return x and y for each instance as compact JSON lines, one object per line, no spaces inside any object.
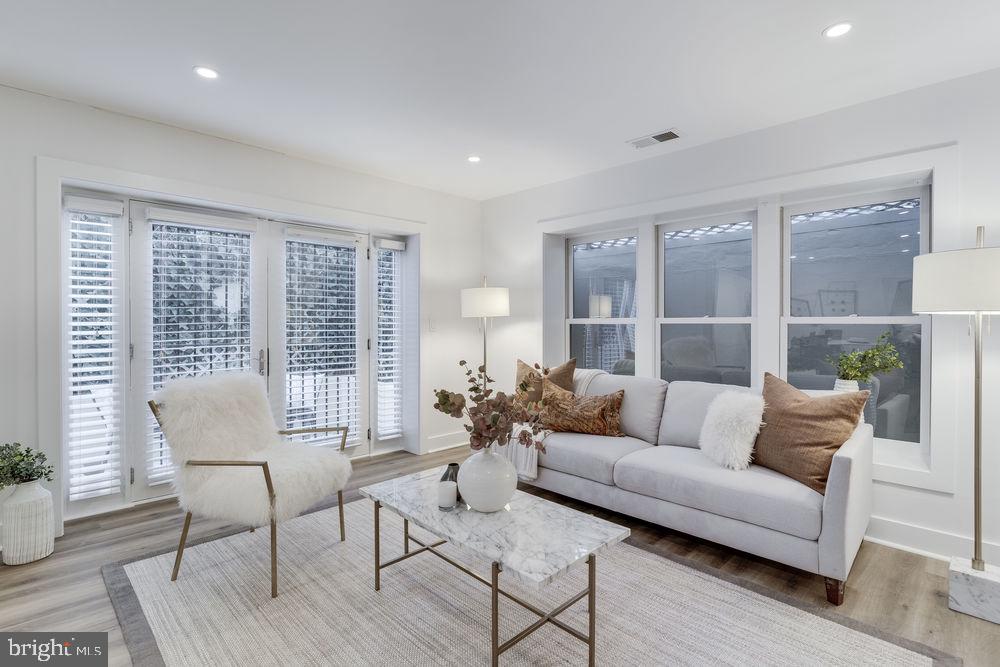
{"x":532,"y":539}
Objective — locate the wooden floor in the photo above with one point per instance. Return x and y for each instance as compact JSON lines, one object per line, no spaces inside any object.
{"x":895,"y":591}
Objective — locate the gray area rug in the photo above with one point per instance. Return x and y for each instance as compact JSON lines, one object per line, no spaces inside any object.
{"x":651,"y":610}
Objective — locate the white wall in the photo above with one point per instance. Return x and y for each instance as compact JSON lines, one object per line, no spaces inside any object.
{"x":962,"y":111}
{"x":33,"y":126}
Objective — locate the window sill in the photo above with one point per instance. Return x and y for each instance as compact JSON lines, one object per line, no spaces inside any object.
{"x":907,"y":464}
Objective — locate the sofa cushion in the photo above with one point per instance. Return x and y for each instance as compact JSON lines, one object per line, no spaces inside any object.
{"x":802,"y":433}
{"x":643,"y":404}
{"x":757,"y":495}
{"x":685,"y":408}
{"x":590,"y":456}
{"x":595,"y":415}
{"x":561,"y":376}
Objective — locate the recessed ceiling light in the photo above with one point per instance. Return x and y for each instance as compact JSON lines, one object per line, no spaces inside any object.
{"x":837,"y":30}
{"x":473,"y":159}
{"x":206,"y":72}
{"x":904,"y":236}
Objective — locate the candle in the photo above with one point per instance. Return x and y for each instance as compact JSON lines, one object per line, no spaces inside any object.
{"x":447,"y":495}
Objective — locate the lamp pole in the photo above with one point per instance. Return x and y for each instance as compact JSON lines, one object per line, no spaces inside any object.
{"x":977,"y":333}
{"x":484,"y":350}
{"x":484,"y":340}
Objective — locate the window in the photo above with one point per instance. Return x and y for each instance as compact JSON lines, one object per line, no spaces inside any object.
{"x":200,"y":315}
{"x":707,"y":294}
{"x":321,"y":337}
{"x":849,"y":280}
{"x":601,"y":328}
{"x":389,"y":339}
{"x":94,"y":377}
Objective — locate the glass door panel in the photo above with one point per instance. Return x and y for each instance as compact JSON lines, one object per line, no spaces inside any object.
{"x":319,"y":329}
{"x":197,"y":317}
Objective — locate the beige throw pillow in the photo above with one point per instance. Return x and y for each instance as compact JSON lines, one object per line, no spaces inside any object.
{"x":561,"y":376}
{"x":565,"y":411}
{"x":801,"y":433}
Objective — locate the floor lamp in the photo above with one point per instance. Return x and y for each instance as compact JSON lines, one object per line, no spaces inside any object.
{"x":484,"y":302}
{"x":966,"y":282}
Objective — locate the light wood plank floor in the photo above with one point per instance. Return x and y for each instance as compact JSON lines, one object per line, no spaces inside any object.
{"x":896,"y":591}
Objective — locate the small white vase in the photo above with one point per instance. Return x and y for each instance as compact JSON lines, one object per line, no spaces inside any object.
{"x":27,"y":532}
{"x":487,"y":481}
{"x":845,"y":385}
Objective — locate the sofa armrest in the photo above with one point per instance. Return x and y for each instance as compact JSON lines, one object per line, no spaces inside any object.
{"x":847,"y":505}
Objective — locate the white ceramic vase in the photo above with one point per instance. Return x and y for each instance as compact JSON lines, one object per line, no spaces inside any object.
{"x":487,"y":481}
{"x":845,"y":385}
{"x":27,"y":532}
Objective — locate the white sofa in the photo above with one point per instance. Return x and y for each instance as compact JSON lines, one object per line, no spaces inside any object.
{"x":658,"y":474}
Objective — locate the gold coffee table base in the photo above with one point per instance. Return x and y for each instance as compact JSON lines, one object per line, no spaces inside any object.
{"x":496,"y":648}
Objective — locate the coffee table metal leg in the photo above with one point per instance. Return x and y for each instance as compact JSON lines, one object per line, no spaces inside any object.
{"x":378,"y":566}
{"x":494,"y":616}
{"x":496,"y":648}
{"x":592,"y":607}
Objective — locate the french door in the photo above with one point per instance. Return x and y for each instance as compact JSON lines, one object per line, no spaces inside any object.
{"x":212,"y":294}
{"x":317,"y":361}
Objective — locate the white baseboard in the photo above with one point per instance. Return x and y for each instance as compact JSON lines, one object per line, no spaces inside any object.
{"x":444,"y":447}
{"x":441,"y":441}
{"x":929,"y":542}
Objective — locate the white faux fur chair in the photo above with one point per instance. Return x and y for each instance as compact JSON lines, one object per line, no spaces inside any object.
{"x":222,"y":436}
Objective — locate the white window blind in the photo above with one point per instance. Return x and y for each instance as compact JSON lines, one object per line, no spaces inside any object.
{"x":389,"y":342}
{"x":321,"y":337}
{"x":95,"y":376}
{"x":200,"y":302}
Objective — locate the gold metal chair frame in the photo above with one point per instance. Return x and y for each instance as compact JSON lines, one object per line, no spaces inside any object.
{"x":155,"y":408}
{"x":496,"y":647}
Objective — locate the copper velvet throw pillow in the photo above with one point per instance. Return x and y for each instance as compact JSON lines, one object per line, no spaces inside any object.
{"x":801,"y":433}
{"x":565,"y":411}
{"x":561,"y":376}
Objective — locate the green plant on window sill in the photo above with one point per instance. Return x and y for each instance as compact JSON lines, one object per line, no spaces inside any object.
{"x":861,"y":365}
{"x":19,"y":465}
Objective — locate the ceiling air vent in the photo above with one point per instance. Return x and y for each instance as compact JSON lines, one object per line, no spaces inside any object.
{"x":653,"y":139}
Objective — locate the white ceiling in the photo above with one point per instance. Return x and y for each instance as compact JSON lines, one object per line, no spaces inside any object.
{"x":543,"y":90}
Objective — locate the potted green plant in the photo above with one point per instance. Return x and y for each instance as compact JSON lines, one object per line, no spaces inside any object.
{"x":860,"y":365}
{"x":27,"y":531}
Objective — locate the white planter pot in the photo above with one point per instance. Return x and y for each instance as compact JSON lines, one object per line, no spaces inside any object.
{"x":487,"y":481}
{"x":845,"y":385}
{"x":27,"y":532}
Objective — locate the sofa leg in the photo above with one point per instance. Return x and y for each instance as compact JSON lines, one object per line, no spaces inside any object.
{"x":834,"y":591}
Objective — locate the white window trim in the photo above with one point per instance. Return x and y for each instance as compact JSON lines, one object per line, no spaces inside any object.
{"x":692,"y":223}
{"x":895,"y":461}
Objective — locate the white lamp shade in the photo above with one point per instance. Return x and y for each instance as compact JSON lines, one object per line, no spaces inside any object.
{"x":485,"y":302}
{"x":600,"y":305}
{"x":957,"y":281}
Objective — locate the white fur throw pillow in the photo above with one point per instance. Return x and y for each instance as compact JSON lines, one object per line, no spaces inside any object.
{"x":730,"y":429}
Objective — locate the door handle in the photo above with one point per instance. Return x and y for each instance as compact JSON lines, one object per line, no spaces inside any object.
{"x":262,"y":362}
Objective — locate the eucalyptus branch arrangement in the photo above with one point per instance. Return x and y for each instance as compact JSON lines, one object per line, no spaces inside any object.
{"x":493,"y":414}
{"x":22,"y":464}
{"x":861,"y":365}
